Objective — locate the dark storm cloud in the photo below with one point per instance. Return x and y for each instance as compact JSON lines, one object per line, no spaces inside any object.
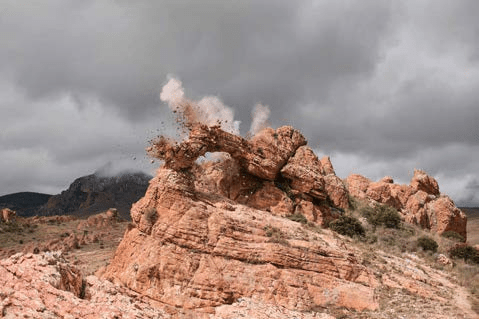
{"x":279,"y":52}
{"x":382,"y":86}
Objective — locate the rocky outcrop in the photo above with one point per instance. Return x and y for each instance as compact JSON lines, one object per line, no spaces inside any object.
{"x":206,"y":235}
{"x":304,"y":170}
{"x":91,"y":194}
{"x":420,"y":203}
{"x":327,"y":166}
{"x":100,"y":220}
{"x":192,"y":250}
{"x":6,"y":215}
{"x":262,"y":156}
{"x":46,"y":286}
{"x":423,"y":182}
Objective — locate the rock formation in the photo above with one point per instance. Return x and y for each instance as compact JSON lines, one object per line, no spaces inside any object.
{"x":46,"y":286}
{"x":6,"y":215}
{"x":206,"y":235}
{"x":420,"y":203}
{"x":210,"y":234}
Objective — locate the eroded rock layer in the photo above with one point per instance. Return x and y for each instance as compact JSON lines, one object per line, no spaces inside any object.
{"x":192,"y":250}
{"x":420,"y":202}
{"x":207,"y":234}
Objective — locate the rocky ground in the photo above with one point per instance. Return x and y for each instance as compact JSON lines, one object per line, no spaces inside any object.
{"x":48,"y":284}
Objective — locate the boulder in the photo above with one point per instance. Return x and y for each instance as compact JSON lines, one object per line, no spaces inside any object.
{"x":7,"y":215}
{"x":357,"y":185}
{"x":327,"y":166}
{"x":445,"y":216}
{"x":272,"y":199}
{"x":424,"y":182}
{"x":305,"y":173}
{"x":336,"y":191}
{"x":381,"y":192}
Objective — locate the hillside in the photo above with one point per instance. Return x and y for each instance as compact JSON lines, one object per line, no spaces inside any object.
{"x":472,"y":224}
{"x":91,"y":194}
{"x":24,"y":203}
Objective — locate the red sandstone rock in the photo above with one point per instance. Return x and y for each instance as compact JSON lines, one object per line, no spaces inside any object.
{"x":381,"y":192}
{"x":357,"y":185}
{"x":424,"y":182}
{"x":46,"y":286}
{"x":262,"y":156}
{"x":272,"y":199}
{"x":445,"y":216}
{"x":336,"y":191}
{"x":417,"y":202}
{"x":305,"y":172}
{"x":387,"y":180}
{"x":6,"y":215}
{"x":327,"y":166}
{"x":197,"y":254}
{"x":320,"y":215}
{"x":417,"y":210}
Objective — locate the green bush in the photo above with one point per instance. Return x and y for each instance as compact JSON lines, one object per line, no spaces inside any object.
{"x":466,"y":252}
{"x":384,"y":215}
{"x":453,"y":236}
{"x":298,"y":218}
{"x":348,"y":226}
{"x":427,"y":243}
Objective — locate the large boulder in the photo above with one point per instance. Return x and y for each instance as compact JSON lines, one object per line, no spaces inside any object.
{"x":422,"y":181}
{"x":357,"y":185}
{"x":445,"y":216}
{"x":272,"y":199}
{"x":305,"y":173}
{"x":7,"y":215}
{"x":336,"y":191}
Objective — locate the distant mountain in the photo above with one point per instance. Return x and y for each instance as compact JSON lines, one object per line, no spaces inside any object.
{"x":24,"y":203}
{"x":92,"y":194}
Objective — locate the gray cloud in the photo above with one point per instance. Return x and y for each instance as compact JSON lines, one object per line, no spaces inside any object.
{"x":381,"y":86}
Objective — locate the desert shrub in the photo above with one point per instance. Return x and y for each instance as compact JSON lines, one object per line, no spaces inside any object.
{"x":348,"y":226}
{"x":453,"y":236}
{"x":276,"y":235}
{"x":466,"y":252}
{"x":150,"y":215}
{"x":297,"y":217}
{"x":427,"y":243}
{"x":384,"y":215}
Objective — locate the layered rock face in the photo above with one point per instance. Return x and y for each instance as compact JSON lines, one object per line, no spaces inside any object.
{"x":46,"y":286}
{"x":420,"y":202}
{"x":194,"y":250}
{"x":206,"y":235}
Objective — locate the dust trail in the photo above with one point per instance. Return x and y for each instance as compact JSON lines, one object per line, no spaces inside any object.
{"x":260,"y":116}
{"x":210,"y":110}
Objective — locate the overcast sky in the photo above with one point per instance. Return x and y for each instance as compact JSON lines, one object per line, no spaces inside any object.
{"x":382,"y":87}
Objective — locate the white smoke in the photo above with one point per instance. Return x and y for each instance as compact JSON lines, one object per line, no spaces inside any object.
{"x":260,"y":116}
{"x":209,"y":110}
{"x":173,"y":93}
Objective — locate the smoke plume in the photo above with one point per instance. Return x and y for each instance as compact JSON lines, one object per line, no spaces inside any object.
{"x":209,"y":110}
{"x":260,"y":116}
